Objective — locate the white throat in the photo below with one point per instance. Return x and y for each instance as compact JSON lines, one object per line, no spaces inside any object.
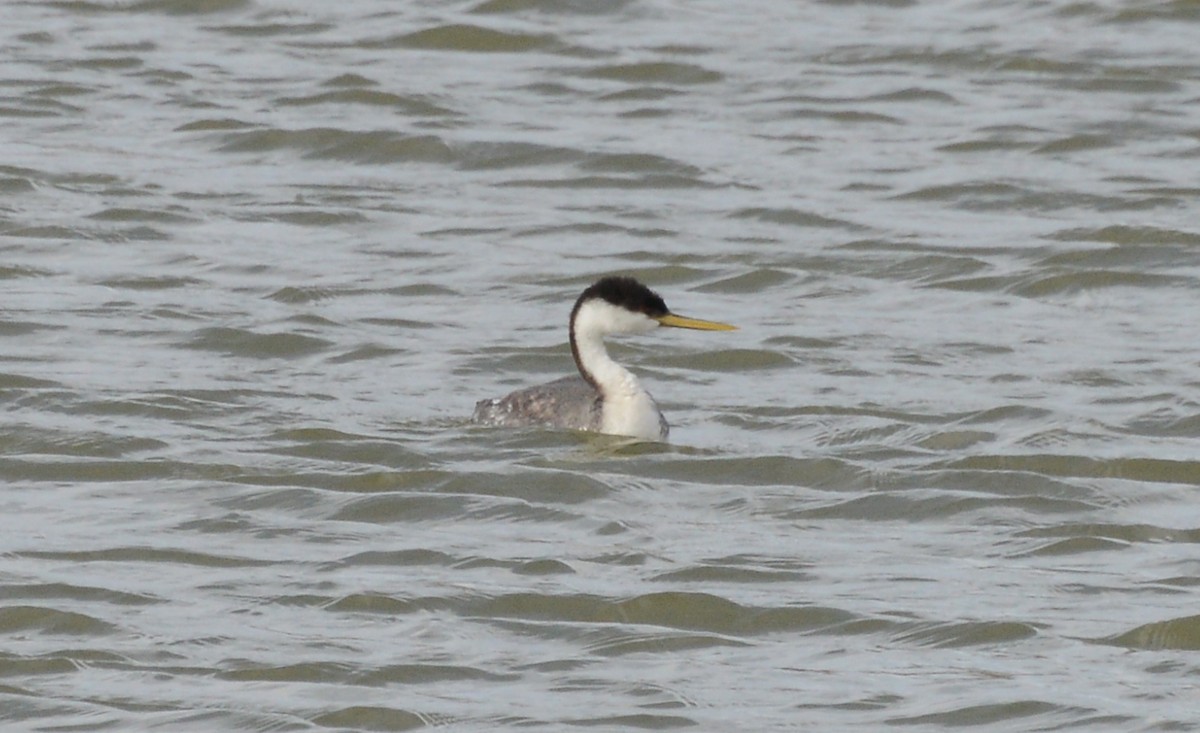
{"x":628,"y":409}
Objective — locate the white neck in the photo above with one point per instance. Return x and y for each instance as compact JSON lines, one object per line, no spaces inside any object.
{"x":628,"y":409}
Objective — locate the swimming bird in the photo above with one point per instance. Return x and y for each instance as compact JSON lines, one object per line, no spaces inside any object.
{"x":604,"y":397}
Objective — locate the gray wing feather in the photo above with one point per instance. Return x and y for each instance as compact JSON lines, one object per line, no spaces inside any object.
{"x":569,"y":402}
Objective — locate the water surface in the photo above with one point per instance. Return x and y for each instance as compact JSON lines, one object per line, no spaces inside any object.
{"x":260,"y":260}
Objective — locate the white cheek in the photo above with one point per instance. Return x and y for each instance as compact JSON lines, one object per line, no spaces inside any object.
{"x":628,"y":322}
{"x":640,"y":324}
{"x":604,"y":317}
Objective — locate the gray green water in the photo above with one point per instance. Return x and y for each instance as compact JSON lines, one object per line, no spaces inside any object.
{"x":259,"y":260}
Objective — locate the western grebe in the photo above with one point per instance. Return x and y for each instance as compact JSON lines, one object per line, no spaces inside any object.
{"x":605,"y":397}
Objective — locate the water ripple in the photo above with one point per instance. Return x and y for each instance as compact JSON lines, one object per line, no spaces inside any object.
{"x":259,"y":263}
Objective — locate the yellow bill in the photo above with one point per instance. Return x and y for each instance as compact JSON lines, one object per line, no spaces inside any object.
{"x":684,"y":322}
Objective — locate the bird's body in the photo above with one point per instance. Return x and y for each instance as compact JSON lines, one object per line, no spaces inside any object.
{"x":605,"y":397}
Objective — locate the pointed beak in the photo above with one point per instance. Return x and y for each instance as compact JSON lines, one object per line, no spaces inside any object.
{"x":675,"y":321}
